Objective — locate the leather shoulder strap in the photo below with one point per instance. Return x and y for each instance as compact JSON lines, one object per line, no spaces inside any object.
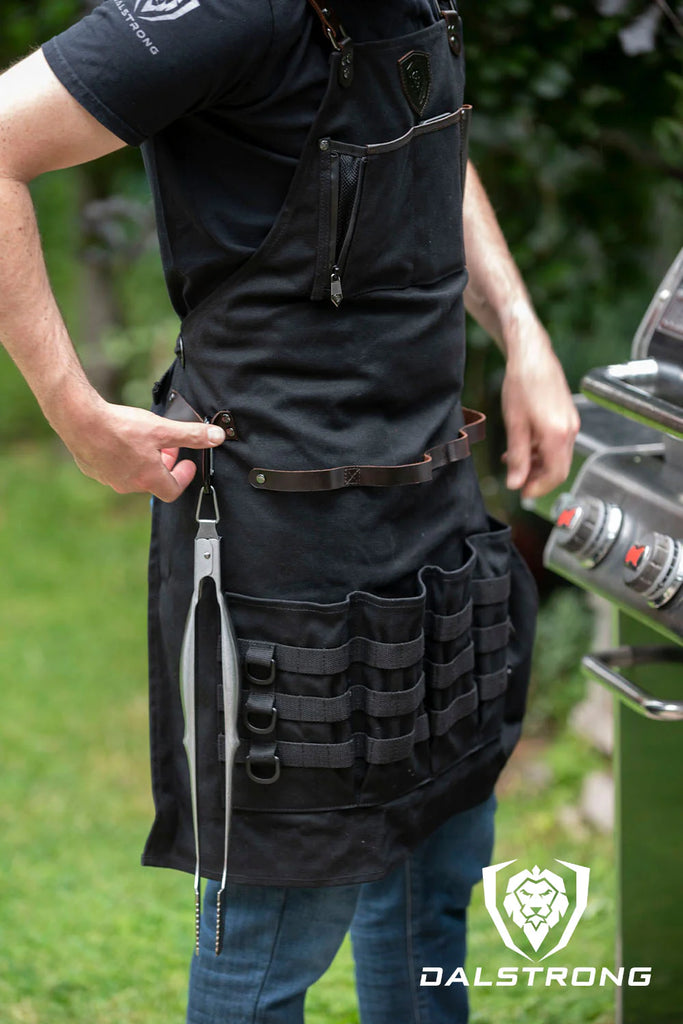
{"x":332,"y":27}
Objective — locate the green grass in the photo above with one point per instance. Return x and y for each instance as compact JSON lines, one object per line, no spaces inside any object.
{"x":86,"y":934}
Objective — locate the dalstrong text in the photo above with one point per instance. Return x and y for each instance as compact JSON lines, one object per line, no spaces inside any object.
{"x":577,"y":977}
{"x":136,"y":27}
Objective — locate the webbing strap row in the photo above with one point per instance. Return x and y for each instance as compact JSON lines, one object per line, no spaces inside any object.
{"x":375,"y":703}
{"x":491,"y":638}
{"x":448,"y":627}
{"x":492,"y":590}
{"x":342,"y":755}
{"x":322,"y":661}
{"x":460,"y":707}
{"x":440,"y":676}
{"x":493,"y":685}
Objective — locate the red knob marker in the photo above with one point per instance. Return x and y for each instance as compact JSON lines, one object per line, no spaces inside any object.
{"x":566,"y":518}
{"x":634,"y":555}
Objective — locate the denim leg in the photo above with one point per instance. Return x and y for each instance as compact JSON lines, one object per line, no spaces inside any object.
{"x":416,"y":917}
{"x":277,"y":942}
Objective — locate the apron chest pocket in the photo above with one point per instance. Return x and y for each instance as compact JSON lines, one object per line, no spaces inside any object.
{"x":374,"y":228}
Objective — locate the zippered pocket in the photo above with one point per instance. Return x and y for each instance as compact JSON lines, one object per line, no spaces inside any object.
{"x":341,"y":184}
{"x":390,"y":213}
{"x":346,"y":183}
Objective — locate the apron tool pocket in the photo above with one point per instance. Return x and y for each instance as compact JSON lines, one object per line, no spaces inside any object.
{"x":332,"y":702}
{"x":362,"y":700}
{"x":375,"y":229}
{"x":452,"y":696}
{"x":491,"y":627}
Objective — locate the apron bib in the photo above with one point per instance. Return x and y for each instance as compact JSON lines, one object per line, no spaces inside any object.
{"x":384,"y":631}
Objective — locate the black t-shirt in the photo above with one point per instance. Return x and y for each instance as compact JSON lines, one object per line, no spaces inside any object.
{"x":220,"y":94}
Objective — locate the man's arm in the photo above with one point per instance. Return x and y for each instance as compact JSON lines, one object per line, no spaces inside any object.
{"x":43,"y":128}
{"x":540,"y":417}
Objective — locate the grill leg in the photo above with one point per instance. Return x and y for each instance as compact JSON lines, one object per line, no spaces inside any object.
{"x":649,"y":844}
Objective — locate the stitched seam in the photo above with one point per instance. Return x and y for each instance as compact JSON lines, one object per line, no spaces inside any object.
{"x":410,"y":952}
{"x":276,"y":937}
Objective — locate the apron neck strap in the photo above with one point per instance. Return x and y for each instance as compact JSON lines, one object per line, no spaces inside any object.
{"x":331,"y":24}
{"x":334,"y":30}
{"x":453,"y":27}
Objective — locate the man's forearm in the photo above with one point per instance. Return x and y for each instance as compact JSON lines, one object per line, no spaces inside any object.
{"x":31,"y":326}
{"x":540,"y":418}
{"x":129,"y":449}
{"x":496,"y":295}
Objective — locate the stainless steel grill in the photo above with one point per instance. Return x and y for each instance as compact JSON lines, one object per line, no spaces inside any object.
{"x":619,"y":533}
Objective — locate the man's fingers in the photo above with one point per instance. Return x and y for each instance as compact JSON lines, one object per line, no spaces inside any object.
{"x":183,"y":474}
{"x":518,"y":455}
{"x":169,"y":457}
{"x":188,"y":435}
{"x":552,"y":460}
{"x":170,"y":485}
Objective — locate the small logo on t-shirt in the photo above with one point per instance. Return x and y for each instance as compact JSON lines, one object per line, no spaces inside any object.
{"x":163,"y":10}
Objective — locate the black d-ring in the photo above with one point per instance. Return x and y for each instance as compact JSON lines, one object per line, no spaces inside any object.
{"x":262,"y":679}
{"x":263,"y":780}
{"x":255,"y":713}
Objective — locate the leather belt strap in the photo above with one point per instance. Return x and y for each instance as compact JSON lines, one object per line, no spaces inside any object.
{"x":339,"y":477}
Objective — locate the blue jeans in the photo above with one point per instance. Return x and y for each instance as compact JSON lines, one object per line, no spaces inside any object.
{"x":279,"y":940}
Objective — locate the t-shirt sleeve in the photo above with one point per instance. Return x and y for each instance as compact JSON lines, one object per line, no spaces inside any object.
{"x":139,"y":65}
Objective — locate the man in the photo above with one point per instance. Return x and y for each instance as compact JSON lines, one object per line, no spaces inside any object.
{"x":309,"y":181}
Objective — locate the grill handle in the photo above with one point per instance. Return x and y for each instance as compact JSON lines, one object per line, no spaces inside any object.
{"x":602,"y":666}
{"x":630,"y":389}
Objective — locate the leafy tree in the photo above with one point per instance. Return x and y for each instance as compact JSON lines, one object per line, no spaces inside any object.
{"x":578,"y":133}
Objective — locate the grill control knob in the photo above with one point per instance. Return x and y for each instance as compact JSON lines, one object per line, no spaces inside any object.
{"x":653,"y":567}
{"x":587,"y":527}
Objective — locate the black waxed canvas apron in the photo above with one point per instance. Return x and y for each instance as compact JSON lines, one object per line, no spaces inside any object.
{"x":384,"y":631}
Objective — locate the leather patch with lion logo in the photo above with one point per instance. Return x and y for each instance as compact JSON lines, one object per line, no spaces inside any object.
{"x":416,"y":79}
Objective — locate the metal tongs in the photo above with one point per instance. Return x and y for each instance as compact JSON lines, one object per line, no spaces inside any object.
{"x":207,"y":566}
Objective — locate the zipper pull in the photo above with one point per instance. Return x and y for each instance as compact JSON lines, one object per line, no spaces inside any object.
{"x":336,"y":293}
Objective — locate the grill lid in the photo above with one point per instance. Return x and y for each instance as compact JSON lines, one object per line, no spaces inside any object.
{"x":649,"y":388}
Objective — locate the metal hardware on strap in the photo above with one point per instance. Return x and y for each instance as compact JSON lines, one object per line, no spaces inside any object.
{"x":340,"y":477}
{"x":334,"y":30}
{"x":322,"y":661}
{"x":454,"y":30}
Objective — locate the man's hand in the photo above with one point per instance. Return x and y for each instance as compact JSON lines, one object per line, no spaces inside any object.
{"x":540,"y":418}
{"x":134,"y":450}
